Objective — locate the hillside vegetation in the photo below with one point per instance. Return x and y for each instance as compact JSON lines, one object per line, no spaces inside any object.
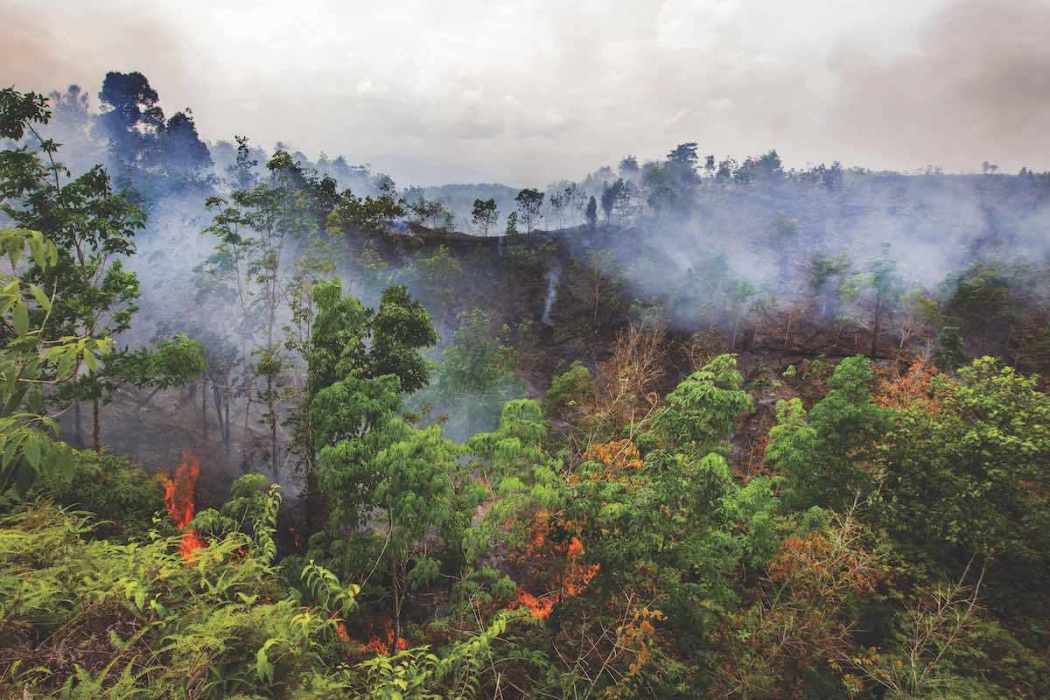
{"x":273,"y":428}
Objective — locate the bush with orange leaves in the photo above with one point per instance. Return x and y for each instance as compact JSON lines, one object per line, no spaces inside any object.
{"x":802,"y":621}
{"x":566,"y":576}
{"x":911,"y":388}
{"x":614,"y":651}
{"x":620,"y":459}
{"x":624,"y":387}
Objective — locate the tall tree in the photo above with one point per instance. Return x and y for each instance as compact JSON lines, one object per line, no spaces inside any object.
{"x":484,"y":214}
{"x":614,"y":197}
{"x":182,"y":152}
{"x":345,"y":341}
{"x":30,"y":356}
{"x":884,"y":285}
{"x":242,"y":171}
{"x":93,"y":228}
{"x":131,"y":119}
{"x":254,"y":229}
{"x":530,"y":204}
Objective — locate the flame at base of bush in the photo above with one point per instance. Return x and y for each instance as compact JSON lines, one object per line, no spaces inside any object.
{"x":180,"y":501}
{"x":574,"y":579}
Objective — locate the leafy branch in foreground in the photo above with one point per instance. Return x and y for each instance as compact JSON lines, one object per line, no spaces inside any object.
{"x":30,"y":364}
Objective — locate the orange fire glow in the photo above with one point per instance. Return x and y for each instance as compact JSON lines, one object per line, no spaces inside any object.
{"x":381,"y":646}
{"x":572,"y":582}
{"x":180,"y":502}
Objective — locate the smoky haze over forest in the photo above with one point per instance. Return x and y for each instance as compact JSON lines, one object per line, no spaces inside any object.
{"x":680,"y":349}
{"x":527,"y":93}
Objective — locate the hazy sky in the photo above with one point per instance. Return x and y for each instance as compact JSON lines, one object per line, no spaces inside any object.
{"x":528,"y":92}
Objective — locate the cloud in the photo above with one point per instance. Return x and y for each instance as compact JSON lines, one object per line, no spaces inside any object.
{"x":976,"y":87}
{"x":530,"y":92}
{"x":44,"y":46}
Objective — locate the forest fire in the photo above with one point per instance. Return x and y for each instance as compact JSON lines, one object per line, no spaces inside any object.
{"x":577,"y":406}
{"x":383,"y":645}
{"x":180,"y":502}
{"x":572,"y":581}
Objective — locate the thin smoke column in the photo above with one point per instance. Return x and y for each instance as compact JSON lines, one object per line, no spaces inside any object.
{"x":553,"y":277}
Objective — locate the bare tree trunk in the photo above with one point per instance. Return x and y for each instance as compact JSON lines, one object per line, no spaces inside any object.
{"x":273,"y":424}
{"x":875,"y":329}
{"x":226,"y":425}
{"x":204,"y":408}
{"x":396,"y":597}
{"x":95,"y":429}
{"x":216,"y":396}
{"x":78,"y":430}
{"x":248,"y":440}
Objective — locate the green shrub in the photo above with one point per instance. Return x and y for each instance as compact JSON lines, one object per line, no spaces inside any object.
{"x":121,"y":495}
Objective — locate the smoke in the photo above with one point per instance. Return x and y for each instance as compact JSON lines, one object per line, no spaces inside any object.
{"x":521,"y":93}
{"x":781,"y":240}
{"x":975,"y":86}
{"x":44,"y":46}
{"x":553,"y":277}
{"x":968,"y":83}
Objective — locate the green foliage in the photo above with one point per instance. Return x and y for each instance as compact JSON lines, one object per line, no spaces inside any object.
{"x":212,"y":629}
{"x":62,"y":301}
{"x":367,"y":214}
{"x":827,"y":456}
{"x":701,"y":410}
{"x":174,"y":362}
{"x":484,"y":214}
{"x":255,"y":229}
{"x":418,"y":673}
{"x":30,"y":360}
{"x":170,"y":363}
{"x":893,"y":543}
{"x":518,"y":441}
{"x":121,"y":495}
{"x":401,"y":329}
{"x":979,"y":295}
{"x":415,"y":484}
{"x":86,"y":618}
{"x":525,"y":480}
{"x":350,"y":350}
{"x":971,"y":474}
{"x":338,"y":337}
{"x":92,"y":295}
{"x":346,"y":337}
{"x":477,"y":360}
{"x":329,"y":593}
{"x":475,"y":376}
{"x":354,"y":420}
{"x":529,"y":203}
{"x":569,"y":392}
{"x":438,"y":275}
{"x":252,"y":509}
{"x":431,"y":212}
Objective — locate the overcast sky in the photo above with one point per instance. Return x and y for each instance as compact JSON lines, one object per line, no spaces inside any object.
{"x":528,"y":92}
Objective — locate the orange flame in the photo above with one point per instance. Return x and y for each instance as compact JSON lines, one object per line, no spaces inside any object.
{"x":573,"y":582}
{"x":541,"y":608}
{"x":179,"y":500}
{"x":382,"y":646}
